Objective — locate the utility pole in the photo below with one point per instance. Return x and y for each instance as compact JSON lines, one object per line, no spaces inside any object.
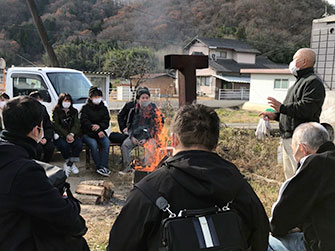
{"x":42,"y":33}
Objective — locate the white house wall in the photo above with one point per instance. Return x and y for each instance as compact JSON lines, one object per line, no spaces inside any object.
{"x":198,"y":47}
{"x":262,"y":86}
{"x":244,"y":58}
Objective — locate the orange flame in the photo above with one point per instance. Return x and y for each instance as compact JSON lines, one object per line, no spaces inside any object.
{"x":160,"y":148}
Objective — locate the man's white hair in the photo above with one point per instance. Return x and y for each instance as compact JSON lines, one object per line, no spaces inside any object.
{"x":311,"y":134}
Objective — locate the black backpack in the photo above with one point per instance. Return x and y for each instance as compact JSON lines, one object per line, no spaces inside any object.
{"x":214,"y":228}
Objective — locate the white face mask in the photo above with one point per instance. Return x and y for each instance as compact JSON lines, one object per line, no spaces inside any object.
{"x":66,"y":105}
{"x":145,"y":103}
{"x":2,"y":104}
{"x":293,"y":68}
{"x":96,"y":101}
{"x":42,"y":135}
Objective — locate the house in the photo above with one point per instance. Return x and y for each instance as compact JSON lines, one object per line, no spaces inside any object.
{"x":165,"y":82}
{"x":323,"y":43}
{"x":267,"y":83}
{"x":226,"y":59}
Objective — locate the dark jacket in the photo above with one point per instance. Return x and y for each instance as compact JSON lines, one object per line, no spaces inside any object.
{"x":123,"y":115}
{"x":303,"y":102}
{"x":29,"y":205}
{"x":307,"y":201}
{"x":94,"y":114}
{"x":149,"y":118}
{"x":47,"y":126}
{"x":65,"y":123}
{"x":191,"y":180}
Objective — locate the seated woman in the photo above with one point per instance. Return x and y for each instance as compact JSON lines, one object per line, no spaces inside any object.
{"x":67,"y":129}
{"x":94,"y":118}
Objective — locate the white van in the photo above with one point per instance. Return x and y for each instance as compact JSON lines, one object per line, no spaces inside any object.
{"x":50,"y":82}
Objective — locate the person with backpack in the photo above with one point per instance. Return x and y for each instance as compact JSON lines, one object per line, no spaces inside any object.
{"x":94,"y":119}
{"x":34,"y":215}
{"x":67,"y":130}
{"x":193,"y":179}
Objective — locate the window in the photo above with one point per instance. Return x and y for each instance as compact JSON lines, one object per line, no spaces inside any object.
{"x":223,"y":54}
{"x":203,"y":81}
{"x":73,"y":83}
{"x":281,"y":84}
{"x":23,"y":84}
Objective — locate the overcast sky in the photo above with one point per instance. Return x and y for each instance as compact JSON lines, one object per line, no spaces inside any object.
{"x":331,"y":2}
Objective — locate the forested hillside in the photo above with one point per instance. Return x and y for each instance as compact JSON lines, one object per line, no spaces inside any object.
{"x":274,"y":27}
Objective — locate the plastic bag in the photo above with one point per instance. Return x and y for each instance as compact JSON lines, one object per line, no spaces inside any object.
{"x":263,"y":129}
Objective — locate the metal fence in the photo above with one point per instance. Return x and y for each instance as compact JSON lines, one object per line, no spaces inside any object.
{"x":124,"y":93}
{"x":238,"y":94}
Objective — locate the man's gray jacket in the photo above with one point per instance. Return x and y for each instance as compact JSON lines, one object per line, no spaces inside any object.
{"x":303,"y":102}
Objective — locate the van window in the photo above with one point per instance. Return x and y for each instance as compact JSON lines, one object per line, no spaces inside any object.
{"x":70,"y":82}
{"x":23,"y":84}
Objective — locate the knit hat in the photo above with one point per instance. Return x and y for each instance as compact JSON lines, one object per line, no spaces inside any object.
{"x":94,"y":91}
{"x":142,"y":90}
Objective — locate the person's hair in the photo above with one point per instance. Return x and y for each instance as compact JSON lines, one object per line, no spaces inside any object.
{"x":94,"y":91}
{"x":196,"y":125}
{"x":311,"y":134}
{"x":4,"y":95}
{"x":63,"y":96}
{"x":330,"y":130}
{"x":22,"y":114}
{"x":36,"y":95}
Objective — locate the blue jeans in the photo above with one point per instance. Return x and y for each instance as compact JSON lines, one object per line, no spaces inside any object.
{"x":289,"y":242}
{"x":99,"y":150}
{"x":69,"y":150}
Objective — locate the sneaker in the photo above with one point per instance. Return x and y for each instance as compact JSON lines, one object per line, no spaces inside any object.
{"x":67,"y":169}
{"x":74,"y":169}
{"x":103,"y":171}
{"x":125,"y":172}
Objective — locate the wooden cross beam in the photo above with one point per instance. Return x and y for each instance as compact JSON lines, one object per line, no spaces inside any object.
{"x":187,"y":65}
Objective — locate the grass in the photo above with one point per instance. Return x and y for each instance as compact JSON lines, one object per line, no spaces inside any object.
{"x":237,"y":116}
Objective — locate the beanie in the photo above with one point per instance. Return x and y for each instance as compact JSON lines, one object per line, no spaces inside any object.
{"x":142,"y":90}
{"x":94,"y":91}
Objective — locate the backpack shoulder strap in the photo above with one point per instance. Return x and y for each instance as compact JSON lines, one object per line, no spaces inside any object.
{"x":154,"y":196}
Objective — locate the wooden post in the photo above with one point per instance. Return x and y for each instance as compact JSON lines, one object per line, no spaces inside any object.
{"x":187,"y":65}
{"x":42,"y":33}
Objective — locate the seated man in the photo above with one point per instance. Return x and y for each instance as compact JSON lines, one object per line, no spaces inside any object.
{"x":303,"y":216}
{"x":33,"y":213}
{"x":142,"y":127}
{"x":194,"y":178}
{"x":46,"y":146}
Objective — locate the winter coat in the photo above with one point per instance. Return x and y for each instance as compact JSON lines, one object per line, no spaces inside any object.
{"x":47,"y":126}
{"x":65,"y":123}
{"x":303,"y":102}
{"x":123,"y":115}
{"x":307,"y":201}
{"x":29,"y":206}
{"x":149,"y":118}
{"x":94,"y":114}
{"x":189,"y":180}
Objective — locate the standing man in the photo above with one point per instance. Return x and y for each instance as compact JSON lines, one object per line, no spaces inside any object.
{"x":303,"y":216}
{"x":194,"y":178}
{"x":34,"y":215}
{"x":303,"y":103}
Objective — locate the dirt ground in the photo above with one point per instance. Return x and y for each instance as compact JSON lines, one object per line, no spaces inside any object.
{"x":99,"y":218}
